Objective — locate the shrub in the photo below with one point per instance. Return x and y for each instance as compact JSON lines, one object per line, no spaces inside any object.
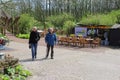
{"x":12,"y":70}
{"x":3,"y":39}
{"x":90,"y":20}
{"x":15,"y":73}
{"x":58,"y":20}
{"x":23,"y":36}
{"x":68,"y":26}
{"x":102,"y":19}
{"x":26,"y":22}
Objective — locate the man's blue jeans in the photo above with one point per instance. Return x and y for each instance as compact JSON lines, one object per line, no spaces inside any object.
{"x":34,"y":50}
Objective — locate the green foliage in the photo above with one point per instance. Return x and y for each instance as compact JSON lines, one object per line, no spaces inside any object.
{"x":23,"y":36}
{"x":26,"y":22}
{"x":16,"y":73}
{"x":19,"y":77}
{"x":68,"y":26}
{"x":89,"y":20}
{"x":115,"y":16}
{"x":5,"y":77}
{"x":11,"y":71}
{"x":19,"y":70}
{"x":48,"y":24}
{"x":58,"y":20}
{"x":4,"y":38}
{"x":102,"y":19}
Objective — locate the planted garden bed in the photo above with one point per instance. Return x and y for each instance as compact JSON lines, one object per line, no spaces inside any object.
{"x":10,"y":69}
{"x":3,"y":41}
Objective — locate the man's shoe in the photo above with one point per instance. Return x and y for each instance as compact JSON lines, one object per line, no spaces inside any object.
{"x":33,"y":59}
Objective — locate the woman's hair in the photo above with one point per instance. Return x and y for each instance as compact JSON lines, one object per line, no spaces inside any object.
{"x":34,"y":28}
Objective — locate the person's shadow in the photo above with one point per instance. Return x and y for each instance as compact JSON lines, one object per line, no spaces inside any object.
{"x":30,"y":60}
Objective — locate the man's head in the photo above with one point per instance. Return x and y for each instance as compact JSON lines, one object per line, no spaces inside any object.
{"x":50,"y":30}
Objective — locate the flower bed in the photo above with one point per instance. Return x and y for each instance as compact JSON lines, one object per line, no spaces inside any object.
{"x":10,"y":69}
{"x":3,"y":41}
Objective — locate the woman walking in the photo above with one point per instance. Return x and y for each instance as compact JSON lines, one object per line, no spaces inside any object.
{"x":33,"y":42}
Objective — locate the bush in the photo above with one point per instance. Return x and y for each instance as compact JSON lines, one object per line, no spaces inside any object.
{"x":26,"y":22}
{"x":48,"y":25}
{"x":102,"y":19}
{"x":23,"y":36}
{"x":3,"y":39}
{"x":15,"y":73}
{"x":90,"y":20}
{"x":68,"y":26}
{"x":58,"y":20}
{"x":12,"y":70}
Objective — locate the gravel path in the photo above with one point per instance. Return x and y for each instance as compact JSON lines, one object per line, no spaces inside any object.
{"x":69,"y":63}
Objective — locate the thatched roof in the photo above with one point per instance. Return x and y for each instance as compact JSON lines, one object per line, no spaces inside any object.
{"x":4,"y":14}
{"x":116,"y":26}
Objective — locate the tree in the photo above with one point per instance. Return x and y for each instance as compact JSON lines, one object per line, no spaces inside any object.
{"x":52,"y":11}
{"x":26,"y":23}
{"x":58,"y":21}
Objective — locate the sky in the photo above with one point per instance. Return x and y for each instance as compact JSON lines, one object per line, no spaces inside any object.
{"x":4,"y":0}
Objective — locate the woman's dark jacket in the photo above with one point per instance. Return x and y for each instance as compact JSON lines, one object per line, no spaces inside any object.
{"x":50,"y":38}
{"x":34,"y":37}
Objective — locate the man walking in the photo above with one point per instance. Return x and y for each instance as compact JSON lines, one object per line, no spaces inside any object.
{"x":50,"y":40}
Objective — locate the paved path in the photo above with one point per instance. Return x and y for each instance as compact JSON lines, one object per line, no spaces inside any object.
{"x":69,"y":63}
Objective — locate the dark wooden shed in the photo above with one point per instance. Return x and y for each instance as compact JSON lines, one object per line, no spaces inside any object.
{"x":114,"y":35}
